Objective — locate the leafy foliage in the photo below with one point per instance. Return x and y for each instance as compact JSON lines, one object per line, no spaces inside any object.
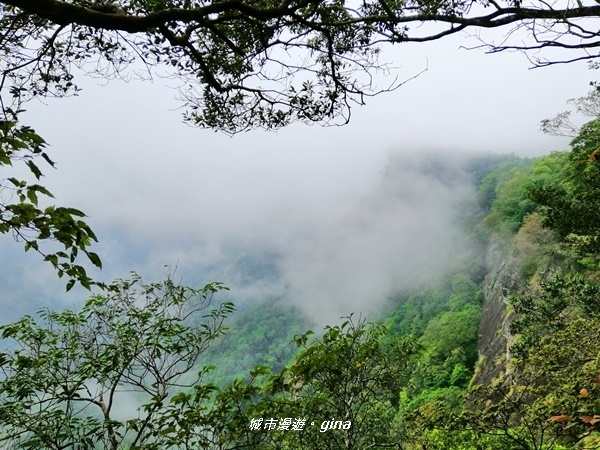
{"x":505,"y":191}
{"x":67,"y":379}
{"x":571,"y":205}
{"x":352,"y":373}
{"x":257,"y":334}
{"x":23,"y":217}
{"x":550,"y":379}
{"x":546,"y":396}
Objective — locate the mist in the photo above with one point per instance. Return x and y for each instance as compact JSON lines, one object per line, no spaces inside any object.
{"x":404,"y":233}
{"x":347,"y":252}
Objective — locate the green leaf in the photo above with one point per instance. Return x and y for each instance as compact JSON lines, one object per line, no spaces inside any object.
{"x":16,"y":182}
{"x":95,"y":259}
{"x":70,"y":284}
{"x":42,"y":189}
{"x":34,"y":169}
{"x":73,"y":212}
{"x":31,"y":195}
{"x":48,"y":160}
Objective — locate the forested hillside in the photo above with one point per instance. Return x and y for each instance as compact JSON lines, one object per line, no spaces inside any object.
{"x":499,"y":350}
{"x":535,"y":383}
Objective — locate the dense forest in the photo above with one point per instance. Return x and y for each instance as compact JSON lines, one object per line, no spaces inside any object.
{"x":415,"y":375}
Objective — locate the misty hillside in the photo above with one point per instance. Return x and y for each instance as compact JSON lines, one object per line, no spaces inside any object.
{"x":453,"y":307}
{"x":399,"y":255}
{"x":484,"y":264}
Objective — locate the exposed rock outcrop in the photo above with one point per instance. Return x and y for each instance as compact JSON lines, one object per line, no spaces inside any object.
{"x":503,"y":279}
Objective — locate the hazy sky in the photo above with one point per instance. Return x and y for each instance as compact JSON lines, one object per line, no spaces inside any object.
{"x":179,"y":195}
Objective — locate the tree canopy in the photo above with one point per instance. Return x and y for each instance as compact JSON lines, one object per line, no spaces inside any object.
{"x":69,"y":377}
{"x":248,"y":64}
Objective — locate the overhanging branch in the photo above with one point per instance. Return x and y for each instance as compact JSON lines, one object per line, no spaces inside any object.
{"x":246,"y":64}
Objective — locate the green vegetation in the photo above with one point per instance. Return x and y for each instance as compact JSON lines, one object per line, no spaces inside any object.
{"x":353,"y":374}
{"x":547,"y":395}
{"x":152,"y":366}
{"x":31,"y":223}
{"x":257,"y":334}
{"x":406,"y":382}
{"x":69,"y":378}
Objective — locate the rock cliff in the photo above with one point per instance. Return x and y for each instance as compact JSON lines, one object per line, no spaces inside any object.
{"x":502,"y":280}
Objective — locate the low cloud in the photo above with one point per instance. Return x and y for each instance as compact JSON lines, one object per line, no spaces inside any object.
{"x":405,"y":233}
{"x":328,"y":249}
